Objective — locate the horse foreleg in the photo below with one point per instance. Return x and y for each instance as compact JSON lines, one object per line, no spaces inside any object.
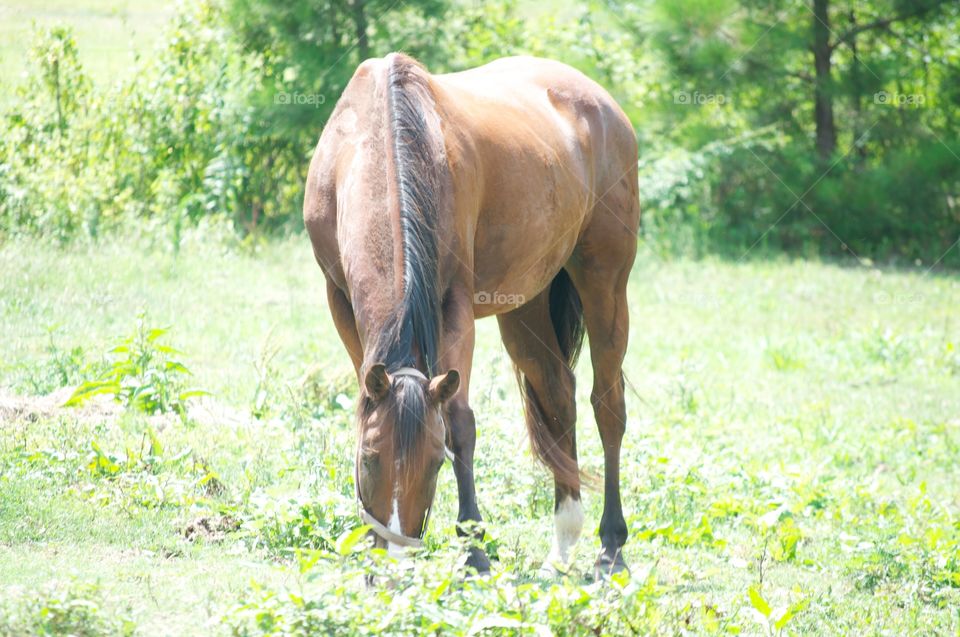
{"x":342,"y":312}
{"x":457,"y":353}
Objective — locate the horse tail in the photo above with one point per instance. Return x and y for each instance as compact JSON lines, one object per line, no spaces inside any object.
{"x":566,"y":315}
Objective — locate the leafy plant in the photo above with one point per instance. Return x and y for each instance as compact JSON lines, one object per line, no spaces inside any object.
{"x":436,"y":601}
{"x":283,"y":522}
{"x":143,"y":375}
{"x":787,"y":536}
{"x":774,"y":619}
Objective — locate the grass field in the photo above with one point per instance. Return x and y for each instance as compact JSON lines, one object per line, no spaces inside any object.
{"x":792,"y":443}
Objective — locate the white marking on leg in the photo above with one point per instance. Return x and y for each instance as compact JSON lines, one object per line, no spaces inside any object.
{"x":568,"y":521}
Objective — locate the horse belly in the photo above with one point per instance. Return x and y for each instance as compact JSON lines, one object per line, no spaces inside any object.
{"x":517,"y":257}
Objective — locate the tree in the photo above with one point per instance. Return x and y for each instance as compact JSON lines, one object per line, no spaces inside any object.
{"x":310,"y":48}
{"x":843,"y":102}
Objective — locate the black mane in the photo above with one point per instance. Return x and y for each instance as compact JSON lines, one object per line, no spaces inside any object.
{"x":412,"y":335}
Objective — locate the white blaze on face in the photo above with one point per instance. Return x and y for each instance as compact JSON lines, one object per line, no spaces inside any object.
{"x":568,"y":521}
{"x":394,"y":550}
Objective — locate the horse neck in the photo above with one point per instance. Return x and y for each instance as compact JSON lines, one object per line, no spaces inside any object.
{"x":405,"y":261}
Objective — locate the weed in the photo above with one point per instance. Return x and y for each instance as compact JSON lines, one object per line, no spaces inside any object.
{"x":784,"y":358}
{"x":60,"y":367}
{"x":435,"y":601}
{"x":283,"y":522}
{"x":142,"y":375}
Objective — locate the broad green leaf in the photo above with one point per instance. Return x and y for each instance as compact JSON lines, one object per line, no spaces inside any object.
{"x":192,"y":393}
{"x":155,"y":333}
{"x":90,"y":389}
{"x":758,"y":602}
{"x":440,"y":590}
{"x":349,"y":539}
{"x":786,"y":616}
{"x":156,"y":448}
{"x":174,"y":366}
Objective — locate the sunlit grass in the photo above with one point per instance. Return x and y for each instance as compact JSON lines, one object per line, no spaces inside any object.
{"x":793,"y":429}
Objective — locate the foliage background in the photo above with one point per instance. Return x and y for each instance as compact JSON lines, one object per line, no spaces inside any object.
{"x":810,"y":127}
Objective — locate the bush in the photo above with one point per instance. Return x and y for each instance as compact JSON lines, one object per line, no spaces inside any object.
{"x":197,"y":131}
{"x":172,"y":144}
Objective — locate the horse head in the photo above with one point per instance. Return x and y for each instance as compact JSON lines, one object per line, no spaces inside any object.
{"x":402,"y":445}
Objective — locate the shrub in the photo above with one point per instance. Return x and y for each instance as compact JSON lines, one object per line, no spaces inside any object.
{"x":175,"y":142}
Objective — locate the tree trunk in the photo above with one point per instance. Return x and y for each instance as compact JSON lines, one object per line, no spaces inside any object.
{"x":823,"y":85}
{"x":360,"y":22}
{"x":857,"y":87}
{"x":334,"y":29}
{"x":56,"y":83}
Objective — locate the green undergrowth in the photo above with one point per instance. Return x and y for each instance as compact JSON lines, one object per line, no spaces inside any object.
{"x":789,"y":465}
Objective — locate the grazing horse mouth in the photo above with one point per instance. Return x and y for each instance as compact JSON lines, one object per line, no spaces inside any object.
{"x":384,"y":536}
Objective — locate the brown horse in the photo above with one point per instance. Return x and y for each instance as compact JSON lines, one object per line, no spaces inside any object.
{"x":435,"y":200}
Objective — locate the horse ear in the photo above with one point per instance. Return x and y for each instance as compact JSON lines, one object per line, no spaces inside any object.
{"x":443,"y":387}
{"x":377,"y":383}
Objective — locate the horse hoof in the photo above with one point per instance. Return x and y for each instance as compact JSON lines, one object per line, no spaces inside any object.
{"x":609,"y":563}
{"x":478,"y":562}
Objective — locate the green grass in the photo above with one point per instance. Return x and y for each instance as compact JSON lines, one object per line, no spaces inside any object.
{"x":109,"y":33}
{"x":792,"y":429}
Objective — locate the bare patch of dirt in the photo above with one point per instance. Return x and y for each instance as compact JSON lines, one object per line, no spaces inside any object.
{"x":15,"y":408}
{"x":205,"y":411}
{"x":210,"y":528}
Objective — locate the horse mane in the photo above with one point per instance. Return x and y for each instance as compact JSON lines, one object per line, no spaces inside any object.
{"x":420,"y":162}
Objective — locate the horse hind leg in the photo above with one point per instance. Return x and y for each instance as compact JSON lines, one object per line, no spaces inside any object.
{"x":605,"y":258}
{"x":541,"y":351}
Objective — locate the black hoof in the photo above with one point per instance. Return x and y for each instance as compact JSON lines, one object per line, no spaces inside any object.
{"x":608,"y":563}
{"x":478,"y":561}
